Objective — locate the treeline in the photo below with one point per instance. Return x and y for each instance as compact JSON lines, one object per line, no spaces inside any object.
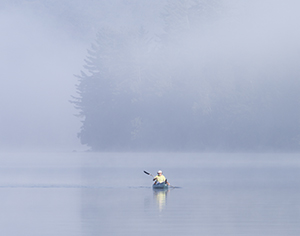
{"x":184,"y":89}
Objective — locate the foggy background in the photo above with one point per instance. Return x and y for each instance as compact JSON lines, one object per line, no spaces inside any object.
{"x":228,"y":69}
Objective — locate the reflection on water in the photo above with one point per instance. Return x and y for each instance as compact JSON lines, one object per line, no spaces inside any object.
{"x":160,"y":196}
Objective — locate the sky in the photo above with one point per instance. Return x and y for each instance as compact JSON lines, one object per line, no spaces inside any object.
{"x":38,"y":61}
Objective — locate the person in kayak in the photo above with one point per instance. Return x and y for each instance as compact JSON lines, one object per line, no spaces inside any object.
{"x":160,"y":178}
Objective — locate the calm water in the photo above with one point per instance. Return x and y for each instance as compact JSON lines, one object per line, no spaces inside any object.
{"x":84,"y":194}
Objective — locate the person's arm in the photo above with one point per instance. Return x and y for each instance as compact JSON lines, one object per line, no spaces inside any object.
{"x":155,"y":179}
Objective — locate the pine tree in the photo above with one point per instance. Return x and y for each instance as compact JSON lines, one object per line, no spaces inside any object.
{"x":111,"y":90}
{"x":100,"y":94}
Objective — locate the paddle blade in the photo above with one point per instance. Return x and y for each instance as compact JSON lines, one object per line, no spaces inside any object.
{"x":146,"y":173}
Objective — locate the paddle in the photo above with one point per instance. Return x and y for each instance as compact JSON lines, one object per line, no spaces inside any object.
{"x":147,"y":173}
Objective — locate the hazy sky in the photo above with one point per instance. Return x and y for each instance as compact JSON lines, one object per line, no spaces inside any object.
{"x":38,"y":63}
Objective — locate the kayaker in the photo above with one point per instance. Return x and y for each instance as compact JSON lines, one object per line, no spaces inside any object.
{"x":160,"y":178}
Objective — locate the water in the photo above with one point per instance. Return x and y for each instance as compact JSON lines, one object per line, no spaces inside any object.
{"x":108,"y":194}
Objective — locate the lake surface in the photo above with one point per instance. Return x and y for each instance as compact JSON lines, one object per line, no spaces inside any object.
{"x":66,"y":194}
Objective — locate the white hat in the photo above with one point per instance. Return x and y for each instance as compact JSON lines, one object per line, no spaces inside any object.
{"x":159,"y":172}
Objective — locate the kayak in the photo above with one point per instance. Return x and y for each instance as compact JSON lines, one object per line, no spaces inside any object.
{"x":160,"y":186}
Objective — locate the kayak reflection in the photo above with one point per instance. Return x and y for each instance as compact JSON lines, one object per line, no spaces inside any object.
{"x":160,"y":196}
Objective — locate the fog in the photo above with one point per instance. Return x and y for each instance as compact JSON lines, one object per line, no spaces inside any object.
{"x":236,"y":62}
{"x":38,"y":62}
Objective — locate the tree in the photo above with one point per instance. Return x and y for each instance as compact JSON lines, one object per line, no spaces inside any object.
{"x":111,"y":89}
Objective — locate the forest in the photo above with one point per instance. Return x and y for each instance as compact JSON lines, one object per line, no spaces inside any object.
{"x":201,"y":82}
